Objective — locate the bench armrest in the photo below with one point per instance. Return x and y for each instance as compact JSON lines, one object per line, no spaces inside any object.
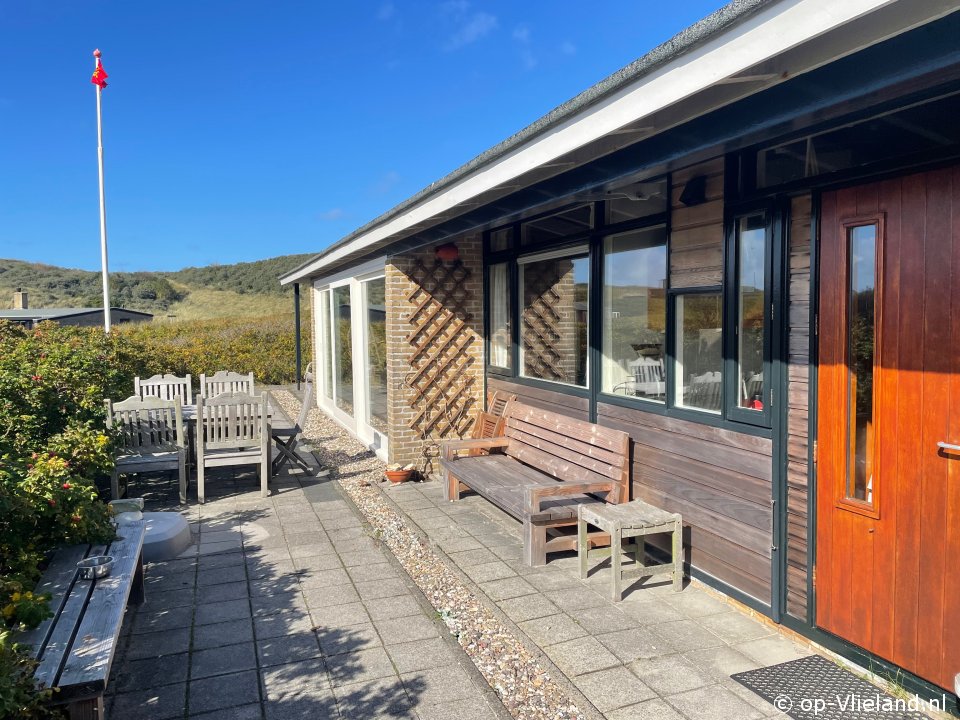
{"x":534,"y":494}
{"x":450,"y":448}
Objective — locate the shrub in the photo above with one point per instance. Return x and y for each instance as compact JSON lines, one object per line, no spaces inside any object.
{"x":19,"y":697}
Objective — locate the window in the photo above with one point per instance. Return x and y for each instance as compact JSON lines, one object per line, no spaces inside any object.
{"x":342,"y":349}
{"x":325,"y":354}
{"x":751,"y":304}
{"x":553,"y":332}
{"x":501,"y":239}
{"x":699,"y":351}
{"x":499,"y":313}
{"x":637,"y":201}
{"x":634,"y":313}
{"x":375,"y":300}
{"x":553,"y":228}
{"x":861,"y":340}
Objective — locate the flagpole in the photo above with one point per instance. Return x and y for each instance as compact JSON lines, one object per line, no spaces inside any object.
{"x":103,"y":207}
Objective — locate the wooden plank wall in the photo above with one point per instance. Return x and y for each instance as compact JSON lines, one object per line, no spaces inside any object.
{"x":559,"y":402}
{"x":719,"y":480}
{"x":798,"y":395}
{"x":696,"y":233}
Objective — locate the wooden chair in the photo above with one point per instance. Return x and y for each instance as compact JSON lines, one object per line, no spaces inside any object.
{"x":224,"y":381}
{"x":232,"y":430}
{"x":497,"y":401}
{"x":165,"y":387}
{"x":287,"y":439}
{"x":151,"y":439}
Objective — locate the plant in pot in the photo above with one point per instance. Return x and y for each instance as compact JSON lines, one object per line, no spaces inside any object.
{"x":397,"y":473}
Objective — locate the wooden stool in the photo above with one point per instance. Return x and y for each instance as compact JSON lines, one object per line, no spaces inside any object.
{"x":631,"y":520}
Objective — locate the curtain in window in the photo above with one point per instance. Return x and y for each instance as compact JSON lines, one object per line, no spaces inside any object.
{"x":499,"y":316}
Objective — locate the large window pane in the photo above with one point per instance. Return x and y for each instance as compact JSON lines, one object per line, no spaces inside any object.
{"x":569,"y":223}
{"x":751,"y":302}
{"x":342,"y":349}
{"x":699,"y":352}
{"x":554,"y":319}
{"x":375,"y":298}
{"x":634,"y":313}
{"x":860,"y":348}
{"x":499,"y":294}
{"x":326,"y":354}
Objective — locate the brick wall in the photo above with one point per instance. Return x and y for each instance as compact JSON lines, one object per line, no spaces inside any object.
{"x":434,"y":348}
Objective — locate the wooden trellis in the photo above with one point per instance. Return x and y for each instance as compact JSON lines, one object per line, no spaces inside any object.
{"x":543,"y":314}
{"x":440,"y":381}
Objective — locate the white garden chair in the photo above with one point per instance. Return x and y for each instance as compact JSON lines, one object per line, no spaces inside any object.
{"x":165,"y":387}
{"x":233,"y":430}
{"x":224,"y":381}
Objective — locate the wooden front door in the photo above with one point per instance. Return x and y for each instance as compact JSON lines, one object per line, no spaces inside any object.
{"x":888,"y":491}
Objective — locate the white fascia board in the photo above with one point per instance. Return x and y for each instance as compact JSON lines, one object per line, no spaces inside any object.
{"x":369,"y":267}
{"x":766,"y":34}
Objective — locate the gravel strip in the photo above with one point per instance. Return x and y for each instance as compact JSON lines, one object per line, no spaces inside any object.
{"x":517,"y":677}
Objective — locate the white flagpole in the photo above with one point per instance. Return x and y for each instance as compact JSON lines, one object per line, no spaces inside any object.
{"x":103,"y":207}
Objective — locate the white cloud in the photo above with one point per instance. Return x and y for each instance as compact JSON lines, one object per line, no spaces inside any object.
{"x":456,"y":8}
{"x":332,"y":214}
{"x":471,"y":26}
{"x":387,"y":11}
{"x":568,"y":48}
{"x":521,"y":33}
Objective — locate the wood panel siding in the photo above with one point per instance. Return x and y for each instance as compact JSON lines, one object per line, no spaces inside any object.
{"x":696,"y":232}
{"x":719,"y":480}
{"x":553,"y":400}
{"x":798,"y":405}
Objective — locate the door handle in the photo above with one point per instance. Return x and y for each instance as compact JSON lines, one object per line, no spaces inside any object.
{"x":948,"y":447}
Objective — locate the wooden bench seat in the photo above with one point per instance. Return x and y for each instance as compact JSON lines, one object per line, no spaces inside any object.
{"x":75,"y":647}
{"x":540,"y":470}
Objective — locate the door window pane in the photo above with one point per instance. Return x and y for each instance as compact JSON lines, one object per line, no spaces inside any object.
{"x":554,"y":319}
{"x":553,"y":228}
{"x":699,"y":352}
{"x":326,"y":354}
{"x":634,"y":313}
{"x":499,"y":294}
{"x":751,"y":303}
{"x":342,"y":349}
{"x":375,"y":297}
{"x":862,"y":248}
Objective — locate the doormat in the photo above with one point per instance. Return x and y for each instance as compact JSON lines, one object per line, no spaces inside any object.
{"x":813,"y":688}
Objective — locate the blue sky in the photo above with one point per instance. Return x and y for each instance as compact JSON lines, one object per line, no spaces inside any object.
{"x":235,"y":131}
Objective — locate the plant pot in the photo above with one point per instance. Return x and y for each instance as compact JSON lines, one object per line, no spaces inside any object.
{"x":398,"y":476}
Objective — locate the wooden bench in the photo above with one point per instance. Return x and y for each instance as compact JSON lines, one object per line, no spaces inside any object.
{"x":539,"y":470}
{"x":75,"y":647}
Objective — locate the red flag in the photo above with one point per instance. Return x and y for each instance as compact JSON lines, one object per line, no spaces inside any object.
{"x":99,"y":76}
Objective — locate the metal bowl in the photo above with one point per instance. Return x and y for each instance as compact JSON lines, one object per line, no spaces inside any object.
{"x":97,"y":566}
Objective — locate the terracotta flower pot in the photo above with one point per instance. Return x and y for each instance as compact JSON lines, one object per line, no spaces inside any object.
{"x":398,"y":476}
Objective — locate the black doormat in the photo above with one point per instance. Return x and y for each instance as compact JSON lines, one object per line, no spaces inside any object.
{"x":813,"y":688}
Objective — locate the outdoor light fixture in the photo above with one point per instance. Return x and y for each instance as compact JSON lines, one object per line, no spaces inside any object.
{"x":695,"y":191}
{"x":448,"y":253}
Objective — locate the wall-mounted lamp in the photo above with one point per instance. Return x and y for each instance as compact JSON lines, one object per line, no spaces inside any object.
{"x":695,"y":191}
{"x":448,"y":253}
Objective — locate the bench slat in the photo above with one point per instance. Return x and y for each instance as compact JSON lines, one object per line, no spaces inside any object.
{"x":596,"y":435}
{"x":553,"y":447}
{"x":88,"y":665}
{"x":599,"y":454}
{"x":563,"y":470}
{"x":57,"y":580}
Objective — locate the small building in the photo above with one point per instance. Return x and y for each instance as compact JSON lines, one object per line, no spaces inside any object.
{"x":24,"y":315}
{"x":744,"y":250}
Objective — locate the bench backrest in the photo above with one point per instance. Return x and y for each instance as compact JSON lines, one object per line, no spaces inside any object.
{"x":568,"y":449}
{"x":147,"y":424}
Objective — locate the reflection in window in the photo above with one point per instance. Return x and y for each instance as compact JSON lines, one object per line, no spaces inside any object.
{"x":326,"y":355}
{"x":636,"y":201}
{"x":699,"y":352}
{"x":342,"y":349}
{"x":375,"y":298}
{"x":554,"y":319}
{"x":501,"y":239}
{"x":862,"y":248}
{"x":751,"y":302}
{"x":499,"y":294}
{"x":553,"y":228}
{"x":634,"y":313}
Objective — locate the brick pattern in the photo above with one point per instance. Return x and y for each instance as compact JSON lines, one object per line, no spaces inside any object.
{"x":434,"y":349}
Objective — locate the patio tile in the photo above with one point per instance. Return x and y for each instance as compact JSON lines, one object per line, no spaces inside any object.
{"x":293,"y":681}
{"x":222,"y":611}
{"x":370,"y":664}
{"x":155,"y":703}
{"x":168,"y":599}
{"x":733,"y":627}
{"x":528,"y":607}
{"x":603,"y":619}
{"x":339,"y":615}
{"x":771,"y":650}
{"x":684,"y":635}
{"x":224,"y":691}
{"x":437,"y":685}
{"x":210,"y":562}
{"x":580,"y":656}
{"x":286,"y":601}
{"x":133,"y":675}
{"x":166,"y":619}
{"x":318,"y":548}
{"x":552,"y":629}
{"x":713,"y":703}
{"x":374,"y":700}
{"x":366,"y":573}
{"x":650,"y":710}
{"x":670,"y":674}
{"x":613,"y":688}
{"x":232,"y":573}
{"x":547,"y":580}
{"x":421,"y":654}
{"x":721,"y":662}
{"x":399,"y":606}
{"x":288,"y":648}
{"x":506,"y":588}
{"x":398,"y":630}
{"x":380,"y":589}
{"x":271,"y":626}
{"x":324,"y":578}
{"x":576,"y":598}
{"x":318,"y":596}
{"x":245,"y":712}
{"x":468,"y":709}
{"x":651,"y":612}
{"x":220,"y":634}
{"x":162,"y":642}
{"x":221,"y":593}
{"x":459,"y":544}
{"x":316,"y":563}
{"x":697,"y":604}
{"x":628,"y":645}
{"x":263,"y":568}
{"x":468,"y":558}
{"x":363,"y":556}
{"x":222,"y":660}
{"x":334,"y":641}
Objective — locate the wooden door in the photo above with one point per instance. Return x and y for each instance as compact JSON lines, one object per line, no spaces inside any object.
{"x":888,"y":496}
